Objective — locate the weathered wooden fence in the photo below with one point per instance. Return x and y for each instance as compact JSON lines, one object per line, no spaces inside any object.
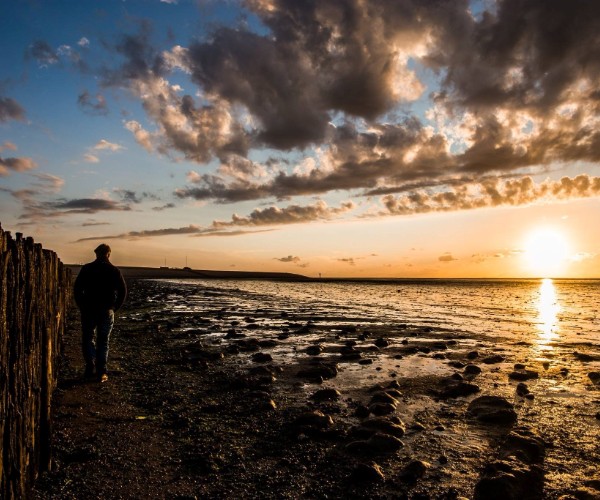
{"x":34,"y":294}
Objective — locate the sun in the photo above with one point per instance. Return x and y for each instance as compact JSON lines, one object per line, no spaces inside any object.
{"x":546,"y":252}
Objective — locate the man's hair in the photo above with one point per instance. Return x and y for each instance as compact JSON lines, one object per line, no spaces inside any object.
{"x":102,"y":250}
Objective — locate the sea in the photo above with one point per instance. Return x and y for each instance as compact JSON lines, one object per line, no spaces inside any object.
{"x":545,"y":311}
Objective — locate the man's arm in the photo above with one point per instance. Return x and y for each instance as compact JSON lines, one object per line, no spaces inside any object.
{"x":121,"y":291}
{"x":79,"y":287}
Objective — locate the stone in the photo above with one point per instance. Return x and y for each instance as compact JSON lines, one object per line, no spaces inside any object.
{"x":377,"y":444}
{"x":456,"y":389}
{"x":381,"y":342}
{"x":367,"y":473}
{"x":491,"y":360}
{"x":321,"y":370}
{"x":384,"y":426}
{"x":414,"y":470}
{"x":525,"y":445}
{"x":522,"y":389}
{"x":472,"y":370}
{"x":523,"y":375}
{"x":472,"y":355}
{"x":315,"y":419}
{"x":383,"y":397}
{"x":314,"y":350}
{"x":492,"y":410}
{"x":382,"y":408}
{"x":519,"y":366}
{"x":326,"y":395}
{"x":594,"y":377}
{"x":262,"y":357}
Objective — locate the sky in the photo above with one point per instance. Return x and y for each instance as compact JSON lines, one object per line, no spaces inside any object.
{"x":341,"y":138}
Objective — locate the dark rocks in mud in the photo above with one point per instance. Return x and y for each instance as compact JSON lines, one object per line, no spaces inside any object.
{"x":384,"y":426}
{"x":383,"y":397}
{"x":522,"y":389}
{"x":380,"y":409}
{"x":472,"y":354}
{"x":314,"y":350}
{"x":377,"y":444}
{"x":508,"y":480}
{"x":313,"y":420}
{"x":493,"y":359}
{"x":585,"y":358}
{"x":367,"y":473}
{"x":524,"y":445}
{"x":594,"y":377}
{"x":233,"y":334}
{"x":321,"y":371}
{"x":523,"y":375}
{"x":472,"y":370}
{"x":365,"y":361}
{"x":248,"y":345}
{"x":262,"y":357}
{"x":452,"y":388}
{"x":381,"y":342}
{"x":492,"y":410}
{"x":326,"y":395}
{"x":414,"y":470}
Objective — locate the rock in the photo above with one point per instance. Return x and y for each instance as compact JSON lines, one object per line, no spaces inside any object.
{"x":382,"y":408}
{"x":594,"y":377}
{"x":321,"y":370}
{"x":519,"y":366}
{"x":457,"y":364}
{"x":491,"y":360}
{"x":262,"y":357}
{"x":365,"y":362}
{"x":367,"y":473}
{"x":377,"y":444}
{"x":362,"y":411}
{"x":523,"y":375}
{"x":472,"y":355}
{"x":492,"y":410}
{"x":381,"y":342}
{"x":267,"y":343}
{"x":326,"y":395}
{"x":383,"y":397}
{"x":586,"y":358}
{"x":314,"y":350}
{"x":456,"y":389}
{"x":472,"y":370}
{"x":509,"y":480}
{"x":314,"y":419}
{"x":414,"y":470}
{"x":384,"y":426}
{"x":232,"y":334}
{"x":524,"y":445}
{"x":522,"y":389}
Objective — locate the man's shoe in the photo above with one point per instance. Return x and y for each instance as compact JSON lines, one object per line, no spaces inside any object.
{"x":103,"y":378}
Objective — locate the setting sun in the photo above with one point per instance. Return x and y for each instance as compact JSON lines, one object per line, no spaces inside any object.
{"x":546,"y":252}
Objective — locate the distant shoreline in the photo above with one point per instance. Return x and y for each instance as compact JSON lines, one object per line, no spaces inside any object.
{"x":188,"y":273}
{"x":132,"y":272}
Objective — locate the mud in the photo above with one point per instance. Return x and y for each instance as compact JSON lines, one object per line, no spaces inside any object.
{"x":228,"y":401}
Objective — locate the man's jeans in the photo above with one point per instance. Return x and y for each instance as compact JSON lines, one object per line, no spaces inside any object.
{"x":100,"y":323}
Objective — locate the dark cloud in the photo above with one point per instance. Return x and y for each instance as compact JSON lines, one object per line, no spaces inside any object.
{"x":42,"y":53}
{"x":164,"y":207}
{"x":62,"y":207}
{"x":10,"y":110}
{"x":447,"y":257}
{"x":492,"y":193}
{"x":8,"y":165}
{"x":289,"y":259}
{"x":293,"y":214}
{"x":93,"y":105}
{"x":348,"y":260}
{"x":335,"y":79}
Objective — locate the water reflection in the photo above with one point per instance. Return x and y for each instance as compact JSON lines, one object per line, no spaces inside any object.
{"x":548,"y":309}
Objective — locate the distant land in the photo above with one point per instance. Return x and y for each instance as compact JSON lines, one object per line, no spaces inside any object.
{"x":177,"y":273}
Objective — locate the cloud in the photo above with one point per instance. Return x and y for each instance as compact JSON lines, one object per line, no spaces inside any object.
{"x":10,"y":110}
{"x":289,"y":258}
{"x":43,"y":53}
{"x":293,"y":214}
{"x":348,"y":260}
{"x":492,"y":193}
{"x":48,"y":183}
{"x":39,"y":210}
{"x":90,"y":158}
{"x":164,"y":207}
{"x":8,"y":165}
{"x":104,"y":145}
{"x":93,"y":105}
{"x":83,"y":42}
{"x":447,"y":257}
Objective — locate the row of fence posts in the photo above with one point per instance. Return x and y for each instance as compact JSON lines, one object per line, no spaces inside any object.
{"x":35,"y":292}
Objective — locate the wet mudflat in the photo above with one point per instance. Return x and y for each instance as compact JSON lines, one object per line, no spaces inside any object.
{"x":236,"y":396}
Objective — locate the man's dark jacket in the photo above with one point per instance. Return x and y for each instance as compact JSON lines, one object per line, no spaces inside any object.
{"x":99,"y":287}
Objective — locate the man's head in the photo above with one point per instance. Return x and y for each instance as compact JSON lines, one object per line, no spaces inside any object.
{"x":102,"y":251}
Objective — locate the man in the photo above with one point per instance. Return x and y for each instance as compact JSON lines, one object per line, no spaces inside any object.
{"x":99,"y":290}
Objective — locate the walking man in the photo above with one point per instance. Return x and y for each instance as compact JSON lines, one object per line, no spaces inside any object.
{"x":99,"y":290}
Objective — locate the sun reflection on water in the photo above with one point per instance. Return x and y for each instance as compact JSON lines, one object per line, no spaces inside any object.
{"x":548,"y":309}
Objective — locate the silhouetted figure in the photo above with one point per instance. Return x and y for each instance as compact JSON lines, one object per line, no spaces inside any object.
{"x":99,"y":290}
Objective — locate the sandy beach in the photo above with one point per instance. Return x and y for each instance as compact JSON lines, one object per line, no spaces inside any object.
{"x":214,"y":405}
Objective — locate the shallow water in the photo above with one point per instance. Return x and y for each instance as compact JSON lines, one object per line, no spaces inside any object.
{"x":542,"y":311}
